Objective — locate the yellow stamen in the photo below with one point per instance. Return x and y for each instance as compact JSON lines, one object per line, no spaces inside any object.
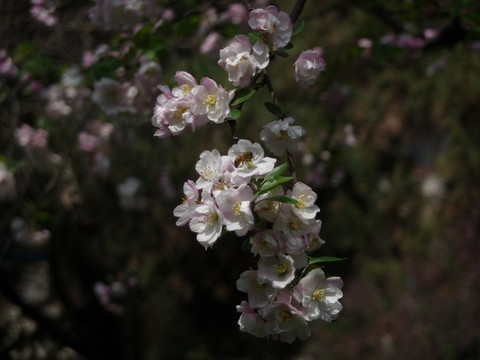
{"x":210,"y":100}
{"x":319,"y":294}
{"x":185,"y":89}
{"x":281,"y":268}
{"x":236,"y":208}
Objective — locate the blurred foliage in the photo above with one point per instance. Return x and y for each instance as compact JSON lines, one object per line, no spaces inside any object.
{"x":400,"y":200}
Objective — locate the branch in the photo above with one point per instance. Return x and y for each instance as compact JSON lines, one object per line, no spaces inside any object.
{"x":297,"y":10}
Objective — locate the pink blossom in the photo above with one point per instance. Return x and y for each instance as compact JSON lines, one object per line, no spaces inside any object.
{"x":279,"y":270}
{"x":183,"y":211}
{"x":260,"y":293}
{"x":211,"y":44}
{"x":274,"y":26}
{"x":307,"y":67}
{"x":250,"y":321}
{"x":207,"y":220}
{"x":241,"y":61}
{"x":234,"y":205}
{"x":281,"y":135}
{"x":319,"y":296}
{"x":87,"y":142}
{"x":211,"y":100}
{"x":112,"y":96}
{"x":31,"y":138}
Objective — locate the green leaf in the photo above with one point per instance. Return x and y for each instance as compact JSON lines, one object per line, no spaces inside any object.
{"x":274,"y":109}
{"x":287,"y":47}
{"x":298,"y":27}
{"x":281,"y":53}
{"x":253,"y":37}
{"x":234,"y":114}
{"x":273,"y":183}
{"x":141,"y":38}
{"x":247,"y":244}
{"x":242,"y":96}
{"x":324,"y":259}
{"x":282,"y":199}
{"x":275,"y":172}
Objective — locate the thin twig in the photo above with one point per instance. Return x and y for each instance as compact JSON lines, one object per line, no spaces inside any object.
{"x":297,"y":10}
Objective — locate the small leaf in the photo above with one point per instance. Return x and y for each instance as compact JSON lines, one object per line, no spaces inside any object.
{"x":242,"y":96}
{"x":287,"y":47}
{"x":273,"y":183}
{"x":324,"y":259}
{"x":253,"y":37}
{"x":281,"y":53}
{"x":247,"y":244}
{"x":298,"y":27}
{"x":234,"y":114}
{"x":275,"y":172}
{"x":274,"y":109}
{"x":282,"y":198}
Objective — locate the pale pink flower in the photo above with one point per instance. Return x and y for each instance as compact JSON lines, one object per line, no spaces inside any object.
{"x":266,"y":243}
{"x":31,"y":138}
{"x":207,"y":220}
{"x":235,"y":206}
{"x":209,"y":168}
{"x":87,"y":142}
{"x":112,"y":96}
{"x":184,"y":210}
{"x":250,"y":322}
{"x":241,"y":61}
{"x":186,"y":82}
{"x":281,"y":135}
{"x":211,"y":44}
{"x":268,"y":209}
{"x":305,"y":209}
{"x":211,"y":100}
{"x":279,"y":270}
{"x":285,"y":321}
{"x":249,"y":161}
{"x":259,"y":292}
{"x":237,"y":14}
{"x":291,"y":225}
{"x":319,"y":296}
{"x":307,"y":67}
{"x":273,"y":25}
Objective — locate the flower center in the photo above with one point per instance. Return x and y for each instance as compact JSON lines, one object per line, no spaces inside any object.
{"x":185,"y":89}
{"x":236,"y":208}
{"x":294,"y":223}
{"x":178,"y":113}
{"x":281,"y":268}
{"x":206,"y":173}
{"x":210,"y":100}
{"x":301,"y":201}
{"x":319,"y":294}
{"x":212,"y":218}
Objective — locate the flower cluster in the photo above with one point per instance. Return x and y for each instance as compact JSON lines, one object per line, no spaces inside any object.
{"x":190,"y":105}
{"x":240,"y":192}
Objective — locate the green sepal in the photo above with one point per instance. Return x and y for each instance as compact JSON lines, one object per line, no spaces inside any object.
{"x":247,"y":244}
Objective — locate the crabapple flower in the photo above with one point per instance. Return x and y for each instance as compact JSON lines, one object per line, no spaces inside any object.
{"x":211,"y":100}
{"x":250,"y":321}
{"x":260,"y":293}
{"x":183,"y":211}
{"x":291,"y":225}
{"x":208,"y":167}
{"x":285,"y":321}
{"x":319,"y":296}
{"x":305,"y":208}
{"x":268,"y":209}
{"x":235,"y":207}
{"x":273,"y":25}
{"x":249,"y":161}
{"x":112,"y":96}
{"x":307,"y":67}
{"x":241,"y":61}
{"x":280,"y":135}
{"x":207,"y":220}
{"x":266,"y":243}
{"x":279,"y":270}
{"x":186,"y":83}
